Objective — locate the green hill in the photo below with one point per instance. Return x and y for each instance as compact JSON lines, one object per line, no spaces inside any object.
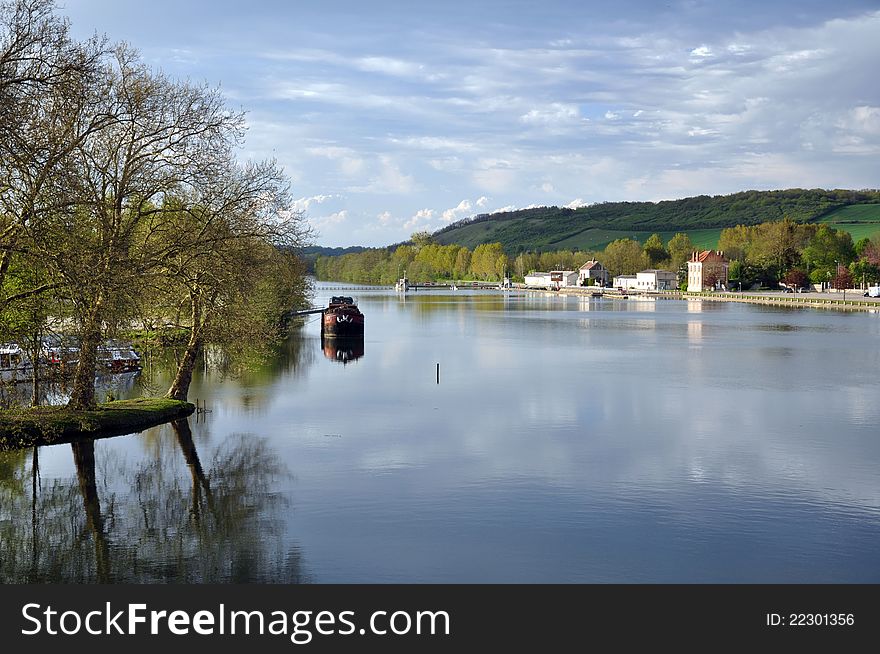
{"x":702,"y":217}
{"x":860,"y":220}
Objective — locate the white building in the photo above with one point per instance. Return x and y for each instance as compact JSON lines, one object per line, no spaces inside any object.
{"x":593,"y":270}
{"x":538,"y":279}
{"x":656,"y":280}
{"x":707,"y":271}
{"x":553,"y":279}
{"x":626,"y":282}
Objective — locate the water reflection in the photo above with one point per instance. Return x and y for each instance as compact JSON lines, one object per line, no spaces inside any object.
{"x":149,"y":523}
{"x":688,"y":444}
{"x":343,"y":350}
{"x":57,"y":390}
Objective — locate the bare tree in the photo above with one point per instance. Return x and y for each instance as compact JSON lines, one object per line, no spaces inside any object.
{"x":229,"y":259}
{"x":164,"y":137}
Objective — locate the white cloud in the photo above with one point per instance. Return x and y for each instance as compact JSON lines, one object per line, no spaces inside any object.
{"x":553,"y":115}
{"x":333,"y":219}
{"x":464,"y":207}
{"x":384,"y":218}
{"x":482,"y":201}
{"x":348,"y":160}
{"x":863,"y":119}
{"x":612,"y":115}
{"x":303,"y":204}
{"x":701,"y":52}
{"x":434,"y":143}
{"x":389,"y":66}
{"x":390,"y":180}
{"x":547,"y":187}
{"x":422,"y":218}
{"x":494,"y":175}
{"x":575,"y":204}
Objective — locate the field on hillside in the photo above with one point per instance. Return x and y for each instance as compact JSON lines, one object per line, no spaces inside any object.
{"x":860,"y":220}
{"x":587,"y":240}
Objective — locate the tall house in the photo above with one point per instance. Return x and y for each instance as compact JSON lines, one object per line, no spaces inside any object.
{"x":707,"y":271}
{"x":595,"y":271}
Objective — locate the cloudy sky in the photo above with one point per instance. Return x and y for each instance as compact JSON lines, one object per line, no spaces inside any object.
{"x":392,"y":116}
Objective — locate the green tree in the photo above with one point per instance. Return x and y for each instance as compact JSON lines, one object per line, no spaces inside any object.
{"x":736,"y":242}
{"x":484,"y":261}
{"x":624,"y":257}
{"x":421,"y":239}
{"x":655,"y":251}
{"x":680,"y":250}
{"x":462,"y":263}
{"x":829,"y":248}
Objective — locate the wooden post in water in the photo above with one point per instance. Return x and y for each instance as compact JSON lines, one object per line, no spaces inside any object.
{"x":438,"y":373}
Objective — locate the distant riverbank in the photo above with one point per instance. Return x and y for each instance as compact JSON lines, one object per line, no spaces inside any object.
{"x":854,"y":300}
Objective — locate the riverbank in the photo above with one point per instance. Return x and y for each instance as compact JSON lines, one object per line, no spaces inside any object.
{"x":815,"y":300}
{"x":48,"y":425}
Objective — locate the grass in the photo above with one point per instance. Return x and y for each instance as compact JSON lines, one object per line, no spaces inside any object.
{"x":47,"y":425}
{"x":860,"y":220}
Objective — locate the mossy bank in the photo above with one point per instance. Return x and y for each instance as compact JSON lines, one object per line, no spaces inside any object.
{"x":47,"y":425}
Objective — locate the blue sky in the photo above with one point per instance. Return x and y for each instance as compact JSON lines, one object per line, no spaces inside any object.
{"x":393,"y":117}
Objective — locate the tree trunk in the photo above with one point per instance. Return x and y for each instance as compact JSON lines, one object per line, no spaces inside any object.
{"x":83,"y":394}
{"x":35,"y":385}
{"x":84,"y":459}
{"x":180,"y":386}
{"x":190,"y":454}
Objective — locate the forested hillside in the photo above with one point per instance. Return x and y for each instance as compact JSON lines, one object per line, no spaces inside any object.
{"x":592,"y":227}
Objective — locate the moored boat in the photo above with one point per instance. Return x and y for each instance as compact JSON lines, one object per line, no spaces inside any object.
{"x":342,"y":318}
{"x":15,"y":366}
{"x":119,"y":356}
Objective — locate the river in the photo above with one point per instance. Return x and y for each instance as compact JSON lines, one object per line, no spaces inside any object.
{"x":566,"y":439}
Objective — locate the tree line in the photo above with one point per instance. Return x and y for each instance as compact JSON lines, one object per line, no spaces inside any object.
{"x":798,"y":255}
{"x":422,"y":259}
{"x":764,"y":254}
{"x":122,"y":200}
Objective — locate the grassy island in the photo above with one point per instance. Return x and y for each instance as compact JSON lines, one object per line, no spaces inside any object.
{"x":46,"y":425}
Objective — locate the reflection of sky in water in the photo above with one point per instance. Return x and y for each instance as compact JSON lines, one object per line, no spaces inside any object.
{"x":568,"y":440}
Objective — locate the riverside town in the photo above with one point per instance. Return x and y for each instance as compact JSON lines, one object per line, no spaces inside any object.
{"x":398,"y":301}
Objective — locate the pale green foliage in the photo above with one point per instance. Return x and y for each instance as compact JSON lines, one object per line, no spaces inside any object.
{"x":624,"y":257}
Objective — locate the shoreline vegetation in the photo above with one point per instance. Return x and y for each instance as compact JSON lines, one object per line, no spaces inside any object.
{"x":51,"y":425}
{"x":125,"y":203}
{"x":768,"y":255}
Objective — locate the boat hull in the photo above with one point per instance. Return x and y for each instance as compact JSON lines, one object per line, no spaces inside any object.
{"x":343,"y":323}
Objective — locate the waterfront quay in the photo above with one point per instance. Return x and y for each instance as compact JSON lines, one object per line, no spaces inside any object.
{"x":851,"y":300}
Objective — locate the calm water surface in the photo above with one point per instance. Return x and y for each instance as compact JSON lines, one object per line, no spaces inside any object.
{"x":568,"y":440}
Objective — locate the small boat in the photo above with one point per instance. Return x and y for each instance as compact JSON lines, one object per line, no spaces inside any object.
{"x":119,"y":356}
{"x":342,"y":318}
{"x":15,"y":366}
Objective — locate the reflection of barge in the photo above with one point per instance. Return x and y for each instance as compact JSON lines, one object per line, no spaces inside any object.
{"x":343,"y":349}
{"x":342,"y":318}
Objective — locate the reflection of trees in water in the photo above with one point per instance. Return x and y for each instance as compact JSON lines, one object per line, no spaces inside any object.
{"x":55,"y":390}
{"x":250,"y":365}
{"x":480,"y":301}
{"x":164,"y":525}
